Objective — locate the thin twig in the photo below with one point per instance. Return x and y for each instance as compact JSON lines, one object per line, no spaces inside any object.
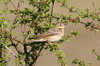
{"x":15,"y":40}
{"x":22,"y":29}
{"x":10,"y":51}
{"x":19,"y":4}
{"x":52,"y":11}
{"x":25,"y":46}
{"x":72,"y":20}
{"x":17,"y":49}
{"x":10,"y":37}
{"x":25,"y":51}
{"x":1,"y":54}
{"x":75,"y":12}
{"x":95,"y":9}
{"x":12,"y":4}
{"x":39,"y":53}
{"x":34,"y":61}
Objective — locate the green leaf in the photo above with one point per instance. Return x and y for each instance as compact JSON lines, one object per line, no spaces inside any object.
{"x":74,"y":33}
{"x":98,"y":57}
{"x":75,"y":61}
{"x":93,"y":50}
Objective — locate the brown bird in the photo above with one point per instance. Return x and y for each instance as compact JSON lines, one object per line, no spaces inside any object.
{"x":52,"y":35}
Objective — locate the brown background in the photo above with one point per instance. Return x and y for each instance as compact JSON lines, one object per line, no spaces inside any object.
{"x":78,"y":47}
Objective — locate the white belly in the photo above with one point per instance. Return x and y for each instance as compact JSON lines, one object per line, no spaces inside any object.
{"x":55,"y":38}
{"x":51,"y":38}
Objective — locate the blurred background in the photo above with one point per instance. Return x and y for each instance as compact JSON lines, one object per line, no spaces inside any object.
{"x":77,"y":47}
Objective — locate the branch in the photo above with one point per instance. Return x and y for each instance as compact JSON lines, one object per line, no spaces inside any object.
{"x":53,"y":1}
{"x":17,"y":49}
{"x":25,"y":51}
{"x":10,"y":51}
{"x":12,"y":4}
{"x":19,"y":4}
{"x":15,"y":39}
{"x":73,"y":20}
{"x":75,"y":12}
{"x":94,"y":5}
{"x":37,"y":56}
{"x":4,"y":33}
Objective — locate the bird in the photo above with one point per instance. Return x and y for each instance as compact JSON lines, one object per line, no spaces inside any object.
{"x":52,"y":35}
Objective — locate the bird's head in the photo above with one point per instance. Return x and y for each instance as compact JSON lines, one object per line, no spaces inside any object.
{"x":60,"y":25}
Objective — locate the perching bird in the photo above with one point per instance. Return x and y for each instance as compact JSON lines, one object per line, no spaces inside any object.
{"x":52,"y":35}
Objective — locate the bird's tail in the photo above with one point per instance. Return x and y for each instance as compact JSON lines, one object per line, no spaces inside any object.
{"x":38,"y":40}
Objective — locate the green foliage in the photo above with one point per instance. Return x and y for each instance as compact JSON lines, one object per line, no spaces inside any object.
{"x":3,"y":23}
{"x":81,"y":63}
{"x":97,"y":55}
{"x":34,"y":20}
{"x":61,"y":57}
{"x":60,"y":54}
{"x":77,"y":61}
{"x":74,"y":33}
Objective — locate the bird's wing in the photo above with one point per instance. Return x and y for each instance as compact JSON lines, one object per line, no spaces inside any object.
{"x":49,"y":32}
